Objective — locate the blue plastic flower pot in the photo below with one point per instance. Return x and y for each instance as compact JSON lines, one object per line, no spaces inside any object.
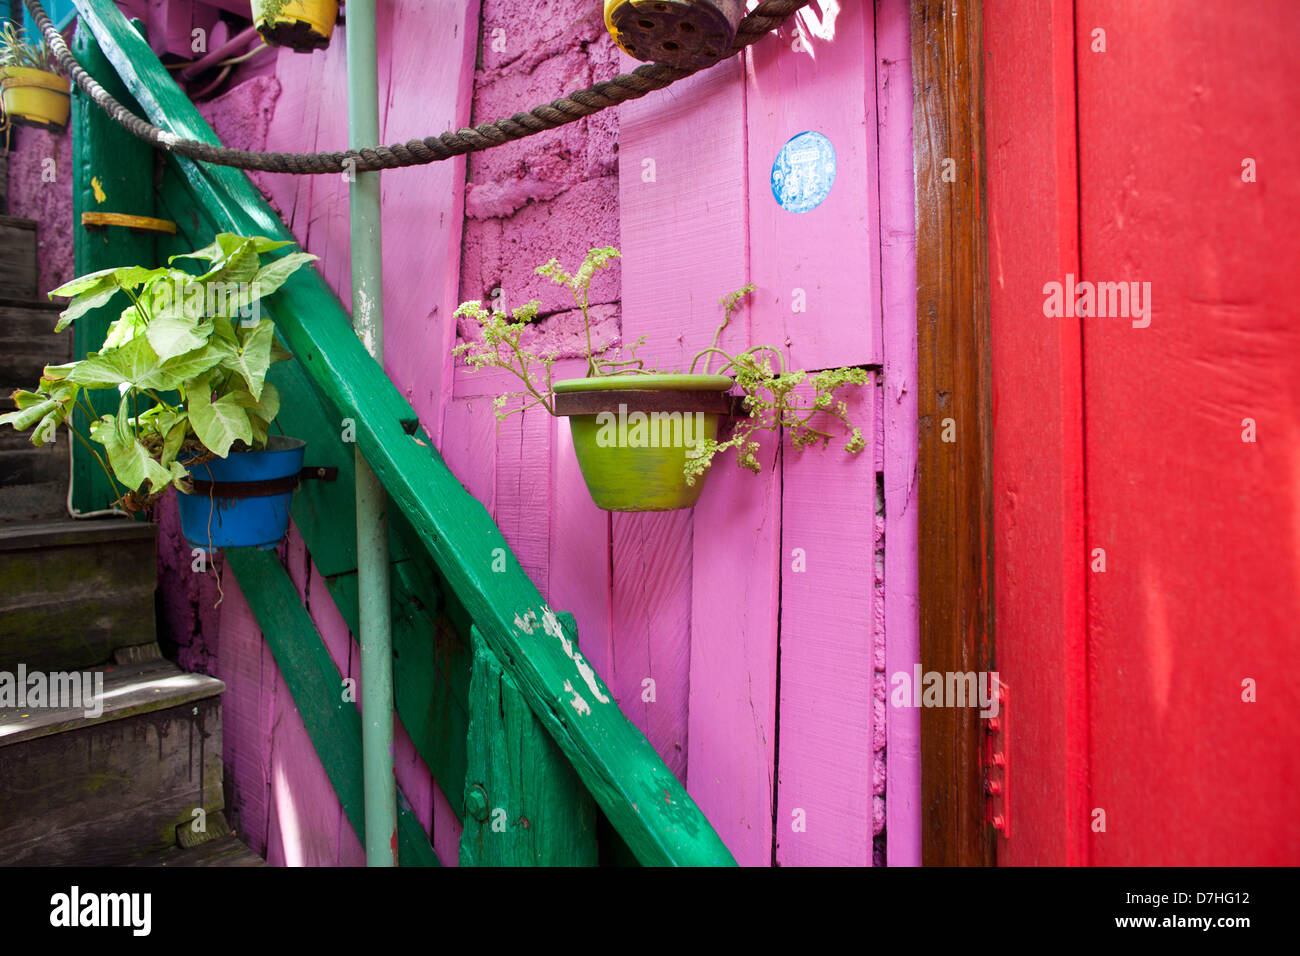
{"x":210,"y":521}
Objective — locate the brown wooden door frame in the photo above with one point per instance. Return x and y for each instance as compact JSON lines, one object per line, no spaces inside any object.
{"x":955,"y":463}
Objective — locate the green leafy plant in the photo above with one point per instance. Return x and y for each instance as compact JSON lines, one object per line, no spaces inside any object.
{"x":17,"y":52}
{"x":772,"y":398}
{"x":192,"y":345}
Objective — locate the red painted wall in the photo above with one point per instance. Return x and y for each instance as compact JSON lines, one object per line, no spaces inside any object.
{"x":1158,"y":723}
{"x":1037,"y":425}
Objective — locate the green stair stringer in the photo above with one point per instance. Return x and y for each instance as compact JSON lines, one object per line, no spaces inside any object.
{"x":112,"y":172}
{"x":644,"y":802}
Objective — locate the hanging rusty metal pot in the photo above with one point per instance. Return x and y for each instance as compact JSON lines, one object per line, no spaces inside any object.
{"x":688,"y":34}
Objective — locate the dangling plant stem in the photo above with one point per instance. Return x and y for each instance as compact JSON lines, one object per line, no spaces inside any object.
{"x":730,"y":303}
{"x":102,"y":464}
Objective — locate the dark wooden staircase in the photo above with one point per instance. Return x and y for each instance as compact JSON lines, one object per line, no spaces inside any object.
{"x":111,"y":755}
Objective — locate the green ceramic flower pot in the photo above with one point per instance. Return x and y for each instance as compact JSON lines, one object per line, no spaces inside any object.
{"x":633,"y":433}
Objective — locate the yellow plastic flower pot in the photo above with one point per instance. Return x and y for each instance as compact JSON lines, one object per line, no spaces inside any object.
{"x":35,"y":97}
{"x":301,"y":25}
{"x":687,"y":34}
{"x":632,"y":435}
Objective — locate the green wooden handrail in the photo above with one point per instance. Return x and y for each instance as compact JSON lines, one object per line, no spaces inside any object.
{"x":644,"y":802}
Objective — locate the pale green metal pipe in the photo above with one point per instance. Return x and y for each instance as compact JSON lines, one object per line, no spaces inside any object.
{"x":372,"y":503}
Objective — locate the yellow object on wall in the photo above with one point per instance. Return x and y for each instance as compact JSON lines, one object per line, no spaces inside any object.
{"x":303,"y":25}
{"x":35,"y":97}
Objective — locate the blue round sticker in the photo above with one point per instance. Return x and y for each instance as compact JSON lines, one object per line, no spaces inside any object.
{"x":804,"y":172}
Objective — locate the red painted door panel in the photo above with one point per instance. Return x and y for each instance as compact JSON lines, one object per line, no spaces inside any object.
{"x":1200,"y":526}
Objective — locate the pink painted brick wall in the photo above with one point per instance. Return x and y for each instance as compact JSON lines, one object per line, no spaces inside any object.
{"x":34,"y":195}
{"x":554,"y":194}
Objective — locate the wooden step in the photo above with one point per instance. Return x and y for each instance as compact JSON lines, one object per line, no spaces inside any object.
{"x":95,"y":789}
{"x":227,"y":850}
{"x":32,"y":321}
{"x":13,"y":440}
{"x":21,"y":366}
{"x":34,"y":481}
{"x":17,"y":257}
{"x":74,"y":592}
{"x":27,"y":344}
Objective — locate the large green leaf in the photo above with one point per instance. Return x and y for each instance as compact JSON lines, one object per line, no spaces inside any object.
{"x":227,"y":242}
{"x":79,"y":306}
{"x":25,"y":418}
{"x":253,"y":357}
{"x":48,"y":427}
{"x":240,"y":265}
{"x":217,"y":424}
{"x":134,"y":364}
{"x":129,"y":459}
{"x":274,"y":274}
{"x":174,"y":335}
{"x":91,"y":280}
{"x":124,"y":328}
{"x":25,"y":399}
{"x":128,"y":276}
{"x":95,"y":289}
{"x":176,"y":371}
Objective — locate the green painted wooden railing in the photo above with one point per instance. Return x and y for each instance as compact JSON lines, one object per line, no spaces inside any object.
{"x":518,"y":730}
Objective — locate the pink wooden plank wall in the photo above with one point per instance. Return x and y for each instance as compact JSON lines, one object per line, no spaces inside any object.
{"x":898,"y":285}
{"x":683,"y":206}
{"x":698,"y":620}
{"x":696,"y":602}
{"x":822,"y":80}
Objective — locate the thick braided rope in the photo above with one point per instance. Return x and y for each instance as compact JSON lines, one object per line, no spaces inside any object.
{"x":767,"y":16}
